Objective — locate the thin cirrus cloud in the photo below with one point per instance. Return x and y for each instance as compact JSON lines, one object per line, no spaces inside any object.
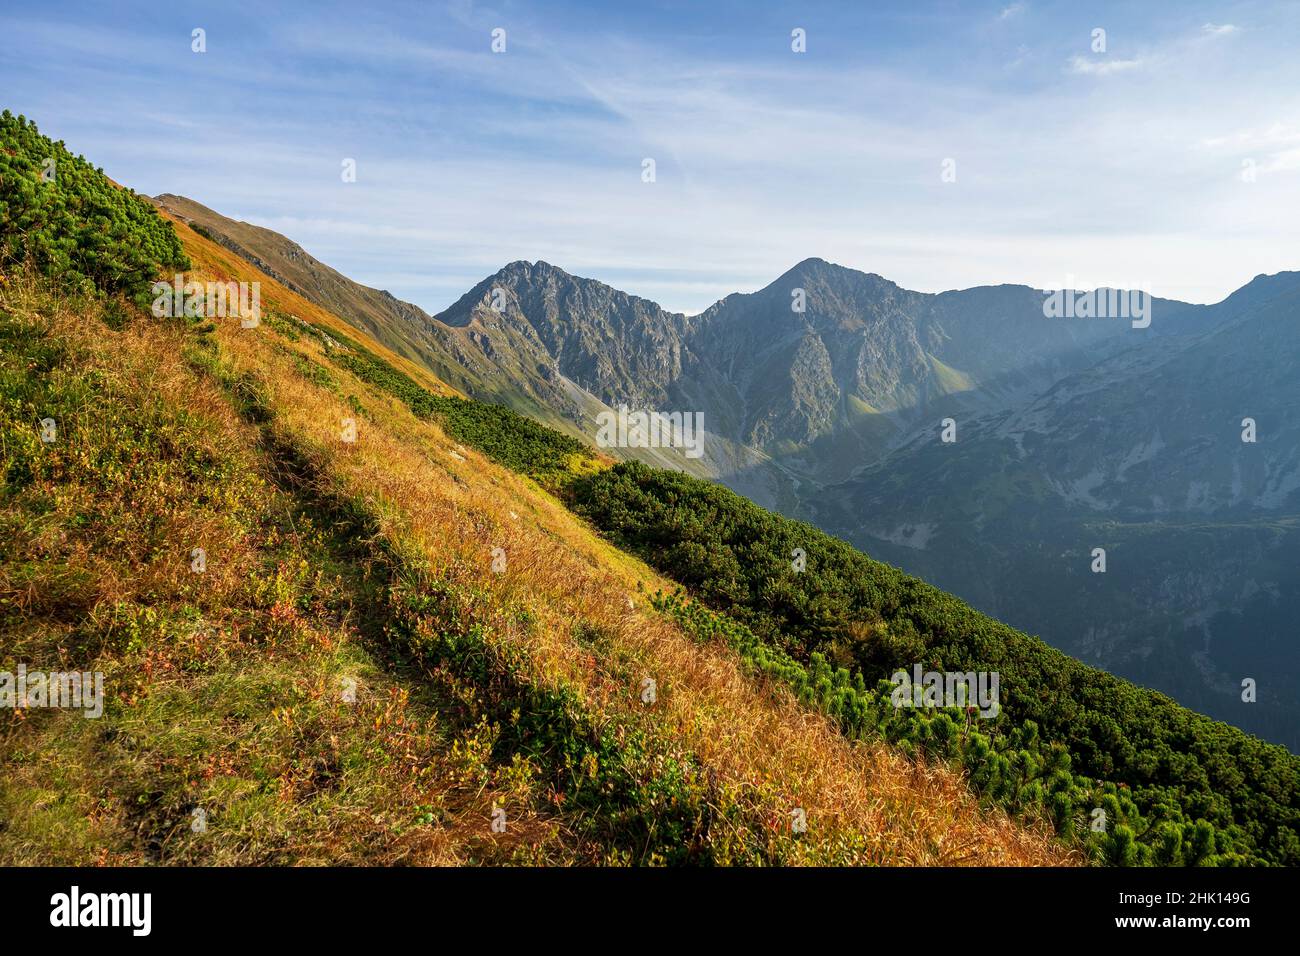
{"x":1124,"y":166}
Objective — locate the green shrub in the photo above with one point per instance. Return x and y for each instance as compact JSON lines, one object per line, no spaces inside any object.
{"x":64,"y":218}
{"x":1239,"y":795}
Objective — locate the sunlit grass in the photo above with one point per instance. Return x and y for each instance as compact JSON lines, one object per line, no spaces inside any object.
{"x":226,"y":687}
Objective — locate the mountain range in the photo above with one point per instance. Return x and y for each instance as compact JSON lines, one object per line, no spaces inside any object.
{"x":828,"y":396}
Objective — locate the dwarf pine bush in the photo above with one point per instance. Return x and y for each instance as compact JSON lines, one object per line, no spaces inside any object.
{"x":1077,"y":732}
{"x":64,"y":218}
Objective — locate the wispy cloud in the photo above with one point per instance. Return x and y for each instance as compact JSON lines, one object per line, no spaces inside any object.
{"x":466,"y":159}
{"x":1270,"y":149}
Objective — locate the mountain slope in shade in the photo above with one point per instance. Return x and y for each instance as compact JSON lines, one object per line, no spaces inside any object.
{"x":818,"y":392}
{"x":832,"y":388}
{"x":1141,"y":455}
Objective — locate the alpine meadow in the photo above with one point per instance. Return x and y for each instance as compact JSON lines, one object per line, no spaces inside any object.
{"x":988,"y":558}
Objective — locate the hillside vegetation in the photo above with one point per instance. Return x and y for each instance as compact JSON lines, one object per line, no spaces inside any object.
{"x":1173,"y":787}
{"x":392,"y":642}
{"x":503,"y":435}
{"x":1178,"y":786}
{"x":67,"y":221}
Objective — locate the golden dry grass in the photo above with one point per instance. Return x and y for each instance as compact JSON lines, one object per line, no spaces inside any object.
{"x":225,"y":693}
{"x":865,"y":804}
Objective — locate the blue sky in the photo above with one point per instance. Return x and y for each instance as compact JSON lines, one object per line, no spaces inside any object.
{"x":1170,"y":161}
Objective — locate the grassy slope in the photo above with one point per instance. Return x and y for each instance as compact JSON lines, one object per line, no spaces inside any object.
{"x":378,"y":315}
{"x":371,"y":561}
